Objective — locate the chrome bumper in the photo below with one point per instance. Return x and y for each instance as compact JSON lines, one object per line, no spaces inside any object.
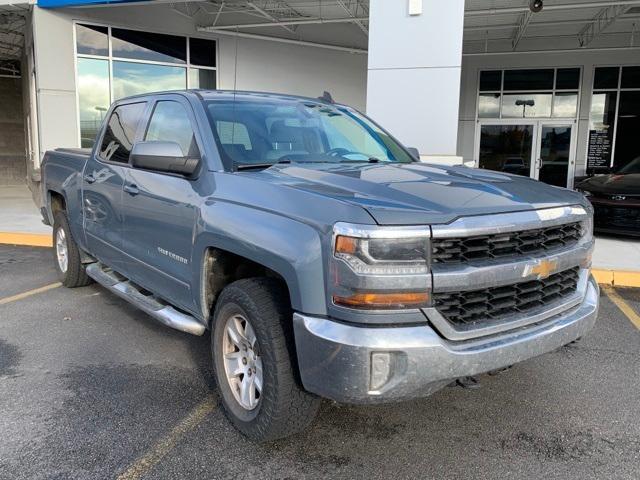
{"x":352,"y":364}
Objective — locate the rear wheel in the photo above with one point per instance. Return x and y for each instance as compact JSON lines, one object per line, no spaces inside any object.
{"x":254,"y":361}
{"x":66,"y":255}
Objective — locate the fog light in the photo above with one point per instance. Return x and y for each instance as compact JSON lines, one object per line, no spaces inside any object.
{"x":380,"y":370}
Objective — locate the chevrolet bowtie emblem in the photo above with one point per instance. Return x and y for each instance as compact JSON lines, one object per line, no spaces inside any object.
{"x":542,"y":269}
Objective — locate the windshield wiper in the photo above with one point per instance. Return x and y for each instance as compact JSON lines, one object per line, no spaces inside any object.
{"x":251,"y":166}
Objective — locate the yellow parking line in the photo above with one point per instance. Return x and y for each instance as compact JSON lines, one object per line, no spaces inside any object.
{"x":150,"y":459}
{"x":26,"y":239}
{"x":20,"y":296}
{"x":623,"y":306}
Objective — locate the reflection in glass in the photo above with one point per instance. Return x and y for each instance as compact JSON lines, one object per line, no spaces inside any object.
{"x":489,"y":105}
{"x":92,"y":40}
{"x":201,"y":78}
{"x":93,"y":97}
{"x":555,"y":148}
{"x":506,"y":148}
{"x":524,"y":105}
{"x":148,"y":46}
{"x":134,"y":78}
{"x":565,"y":105}
{"x":603,"y":110}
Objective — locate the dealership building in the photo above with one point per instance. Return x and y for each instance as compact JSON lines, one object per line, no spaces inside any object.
{"x":547,"y":89}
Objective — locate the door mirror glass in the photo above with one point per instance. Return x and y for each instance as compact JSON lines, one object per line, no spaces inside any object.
{"x":162,"y":157}
{"x":415,"y":153}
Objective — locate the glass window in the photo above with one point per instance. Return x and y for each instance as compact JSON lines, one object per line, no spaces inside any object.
{"x":528,"y":79}
{"x":523,"y":105}
{"x":201,"y":78}
{"x":131,"y":78}
{"x":233,"y":133}
{"x":491,"y":80}
{"x":630,"y":77}
{"x":489,"y":105}
{"x":92,"y":40}
{"x":93,"y":97}
{"x":603,"y":110}
{"x":627,"y":145}
{"x":148,"y":46}
{"x":170,"y":123}
{"x":606,"y":77}
{"x":568,"y":79}
{"x":202,"y":52}
{"x":506,"y":148}
{"x":121,"y":132}
{"x":565,"y":105}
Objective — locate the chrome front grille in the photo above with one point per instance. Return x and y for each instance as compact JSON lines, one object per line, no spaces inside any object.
{"x":505,"y":245}
{"x":489,"y":304}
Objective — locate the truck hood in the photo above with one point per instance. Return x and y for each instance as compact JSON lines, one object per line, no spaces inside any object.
{"x":420,"y":193}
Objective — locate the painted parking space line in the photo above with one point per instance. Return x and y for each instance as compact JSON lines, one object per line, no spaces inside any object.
{"x":623,"y":306}
{"x":153,"y":456}
{"x":26,"y":239}
{"x":35,"y":291}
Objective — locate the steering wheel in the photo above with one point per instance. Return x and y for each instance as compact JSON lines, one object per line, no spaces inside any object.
{"x":338,"y":152}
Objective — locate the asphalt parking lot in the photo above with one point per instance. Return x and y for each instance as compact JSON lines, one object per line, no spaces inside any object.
{"x":92,"y":388}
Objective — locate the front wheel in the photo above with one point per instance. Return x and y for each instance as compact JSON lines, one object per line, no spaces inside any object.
{"x":66,"y":254}
{"x":254,"y":361}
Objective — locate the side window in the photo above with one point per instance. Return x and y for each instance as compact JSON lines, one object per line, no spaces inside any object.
{"x":170,"y":123}
{"x":121,"y":132}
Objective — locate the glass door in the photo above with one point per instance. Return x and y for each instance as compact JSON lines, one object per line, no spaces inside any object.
{"x":507,"y":147}
{"x":540,"y":149}
{"x":555,"y":153}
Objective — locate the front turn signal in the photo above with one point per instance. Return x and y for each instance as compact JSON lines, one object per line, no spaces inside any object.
{"x":383,"y":301}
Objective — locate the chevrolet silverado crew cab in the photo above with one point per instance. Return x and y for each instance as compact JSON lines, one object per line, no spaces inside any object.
{"x":324,"y":258}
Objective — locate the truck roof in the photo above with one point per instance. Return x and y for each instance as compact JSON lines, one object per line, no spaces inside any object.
{"x":234,"y":94}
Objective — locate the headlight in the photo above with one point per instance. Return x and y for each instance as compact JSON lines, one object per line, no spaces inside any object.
{"x":380,"y":268}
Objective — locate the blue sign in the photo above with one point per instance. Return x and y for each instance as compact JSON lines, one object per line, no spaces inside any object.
{"x":77,"y":3}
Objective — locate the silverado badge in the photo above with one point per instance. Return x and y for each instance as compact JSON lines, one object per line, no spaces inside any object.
{"x":541,"y":269}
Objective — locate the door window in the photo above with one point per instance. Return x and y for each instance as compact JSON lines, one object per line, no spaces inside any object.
{"x":555,"y":150}
{"x":506,"y":148}
{"x":121,"y":132}
{"x":170,"y":122}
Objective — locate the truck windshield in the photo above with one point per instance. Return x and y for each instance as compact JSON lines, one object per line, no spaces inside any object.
{"x":265,"y":132}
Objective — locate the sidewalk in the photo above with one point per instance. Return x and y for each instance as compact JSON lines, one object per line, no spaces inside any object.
{"x":616,"y":260}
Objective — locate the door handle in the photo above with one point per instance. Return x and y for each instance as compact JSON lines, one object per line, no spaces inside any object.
{"x":131,"y":189}
{"x":89,"y":178}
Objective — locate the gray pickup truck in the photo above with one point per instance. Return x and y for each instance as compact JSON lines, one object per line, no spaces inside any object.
{"x":324,"y":258}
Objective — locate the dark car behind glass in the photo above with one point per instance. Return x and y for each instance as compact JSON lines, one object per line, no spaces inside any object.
{"x":616,"y":199}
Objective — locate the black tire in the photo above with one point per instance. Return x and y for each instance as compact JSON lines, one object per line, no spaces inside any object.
{"x":75,"y":274}
{"x":284,"y":408}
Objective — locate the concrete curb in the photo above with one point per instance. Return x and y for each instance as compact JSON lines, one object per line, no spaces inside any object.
{"x":617,"y":278}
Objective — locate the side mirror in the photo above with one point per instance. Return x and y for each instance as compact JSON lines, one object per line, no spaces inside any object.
{"x":414,"y":152}
{"x":162,"y":157}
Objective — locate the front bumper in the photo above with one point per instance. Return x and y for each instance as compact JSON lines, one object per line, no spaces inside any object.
{"x":351,"y":364}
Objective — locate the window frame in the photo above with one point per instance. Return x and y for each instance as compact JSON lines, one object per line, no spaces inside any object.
{"x":188,"y":66}
{"x":552,"y":91}
{"x":618,"y":90}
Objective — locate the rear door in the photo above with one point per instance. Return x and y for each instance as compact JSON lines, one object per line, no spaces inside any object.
{"x":103,"y":179}
{"x":161,"y":209}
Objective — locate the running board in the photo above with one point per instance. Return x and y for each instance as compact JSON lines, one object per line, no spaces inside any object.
{"x":148,"y":303}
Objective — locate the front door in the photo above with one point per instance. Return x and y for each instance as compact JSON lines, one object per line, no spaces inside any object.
{"x":555,"y":154}
{"x":544,"y":150}
{"x":161,"y":210}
